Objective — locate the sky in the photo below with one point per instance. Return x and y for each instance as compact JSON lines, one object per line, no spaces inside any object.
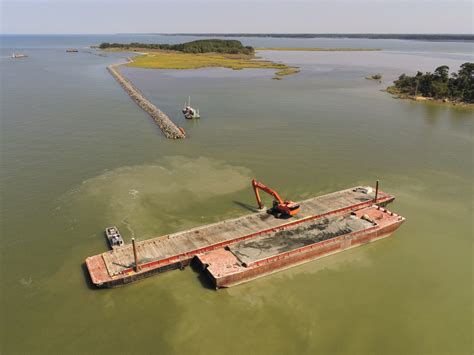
{"x":231,"y":16}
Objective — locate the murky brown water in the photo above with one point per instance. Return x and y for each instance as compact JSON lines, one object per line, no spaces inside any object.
{"x":78,"y":155}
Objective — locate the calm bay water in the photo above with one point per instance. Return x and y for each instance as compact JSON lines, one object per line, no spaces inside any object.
{"x":77,"y":154}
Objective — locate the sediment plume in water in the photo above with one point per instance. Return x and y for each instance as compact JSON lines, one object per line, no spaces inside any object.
{"x":171,"y":194}
{"x":168,"y":127}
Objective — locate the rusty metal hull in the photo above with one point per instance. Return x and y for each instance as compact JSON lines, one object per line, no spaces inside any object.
{"x":225,"y":267}
{"x":136,"y":276}
{"x":174,"y":251}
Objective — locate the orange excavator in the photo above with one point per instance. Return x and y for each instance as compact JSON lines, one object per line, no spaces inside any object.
{"x":286,"y":208}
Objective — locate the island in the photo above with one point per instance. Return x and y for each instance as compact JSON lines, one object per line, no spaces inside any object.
{"x":403,"y":36}
{"x":440,"y":86}
{"x":197,"y":54}
{"x":318,"y":49}
{"x":377,"y":77}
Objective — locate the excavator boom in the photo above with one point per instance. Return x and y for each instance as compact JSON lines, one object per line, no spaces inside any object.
{"x":288,"y":208}
{"x":258,"y":185}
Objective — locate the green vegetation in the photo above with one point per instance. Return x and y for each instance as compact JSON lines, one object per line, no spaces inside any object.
{"x":198,"y":54}
{"x":457,"y":87}
{"x":199,"y":46}
{"x":303,"y":49}
{"x":178,"y":60}
{"x":377,"y":76}
{"x":287,"y":71}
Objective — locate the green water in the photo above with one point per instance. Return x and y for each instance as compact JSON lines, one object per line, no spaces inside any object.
{"x":78,"y":155}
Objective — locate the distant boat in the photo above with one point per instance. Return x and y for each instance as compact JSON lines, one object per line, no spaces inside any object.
{"x":17,"y":55}
{"x":72,"y":50}
{"x":190,"y":112}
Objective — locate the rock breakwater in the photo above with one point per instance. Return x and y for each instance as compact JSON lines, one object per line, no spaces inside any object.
{"x":167,"y":126}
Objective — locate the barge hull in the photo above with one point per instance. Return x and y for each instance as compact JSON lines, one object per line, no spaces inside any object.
{"x":225,"y":269}
{"x":168,"y":252}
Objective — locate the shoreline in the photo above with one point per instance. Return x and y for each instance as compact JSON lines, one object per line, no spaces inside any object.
{"x":317,"y":49}
{"x":162,"y":59}
{"x":396,"y":94}
{"x":460,"y":37}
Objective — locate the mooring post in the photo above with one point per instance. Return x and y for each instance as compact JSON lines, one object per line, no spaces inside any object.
{"x":137,"y":266}
{"x":376,"y":191}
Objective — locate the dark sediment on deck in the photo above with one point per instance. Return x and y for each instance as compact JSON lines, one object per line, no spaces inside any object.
{"x":168,"y":127}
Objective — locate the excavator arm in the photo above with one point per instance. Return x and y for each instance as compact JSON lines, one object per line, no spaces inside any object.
{"x":284,"y":207}
{"x":258,"y":185}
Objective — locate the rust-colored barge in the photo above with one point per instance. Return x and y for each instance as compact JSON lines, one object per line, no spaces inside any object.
{"x":308,"y":240}
{"x":144,"y":258}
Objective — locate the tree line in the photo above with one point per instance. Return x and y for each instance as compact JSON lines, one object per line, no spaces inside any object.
{"x":407,"y":36}
{"x":199,"y":46}
{"x":440,"y":84}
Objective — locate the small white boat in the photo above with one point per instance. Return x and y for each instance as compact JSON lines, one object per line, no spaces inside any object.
{"x":113,"y":236}
{"x":189,"y":112}
{"x":17,"y":55}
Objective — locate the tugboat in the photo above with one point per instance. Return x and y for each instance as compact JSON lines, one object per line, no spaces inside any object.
{"x":190,"y":112}
{"x":16,"y":55}
{"x":114,"y":237}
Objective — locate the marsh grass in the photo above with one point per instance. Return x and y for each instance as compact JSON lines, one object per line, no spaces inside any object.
{"x":160,"y":59}
{"x":178,"y":60}
{"x":287,"y":71}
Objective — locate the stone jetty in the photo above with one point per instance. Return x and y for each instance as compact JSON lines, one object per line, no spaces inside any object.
{"x":168,"y":127}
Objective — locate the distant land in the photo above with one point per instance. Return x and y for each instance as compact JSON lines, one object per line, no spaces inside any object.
{"x":199,"y":46}
{"x":413,"y":36}
{"x":440,"y":86}
{"x":221,"y":53}
{"x":316,"y":49}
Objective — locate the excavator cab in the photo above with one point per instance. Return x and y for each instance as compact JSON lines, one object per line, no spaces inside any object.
{"x":287,"y":208}
{"x":280,"y":208}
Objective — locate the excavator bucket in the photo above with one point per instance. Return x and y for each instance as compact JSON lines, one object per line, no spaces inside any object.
{"x":288,"y":208}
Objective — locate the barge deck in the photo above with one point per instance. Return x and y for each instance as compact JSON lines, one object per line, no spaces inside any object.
{"x":278,"y":250}
{"x":118,"y":267}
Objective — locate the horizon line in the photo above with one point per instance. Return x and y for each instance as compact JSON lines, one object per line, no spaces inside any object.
{"x":250,"y":33}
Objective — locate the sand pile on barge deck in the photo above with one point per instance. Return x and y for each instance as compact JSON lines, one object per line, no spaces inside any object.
{"x":285,"y":240}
